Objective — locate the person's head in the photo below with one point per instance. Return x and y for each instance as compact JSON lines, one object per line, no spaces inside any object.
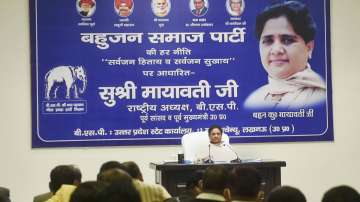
{"x":199,"y":4}
{"x":124,"y":7}
{"x":86,"y":5}
{"x":341,"y":194}
{"x":4,"y":194}
{"x":215,"y":134}
{"x":64,"y":174}
{"x":120,"y":186}
{"x":133,"y":170}
{"x":88,"y":192}
{"x":161,"y":6}
{"x":245,"y":183}
{"x":286,"y":194}
{"x":215,"y":179}
{"x":194,"y":182}
{"x":121,"y":191}
{"x":110,"y":165}
{"x":286,"y":33}
{"x":235,"y":6}
{"x":114,"y":175}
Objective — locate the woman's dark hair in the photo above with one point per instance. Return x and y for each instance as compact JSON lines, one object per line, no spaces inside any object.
{"x":286,"y":194}
{"x":295,"y":12}
{"x":213,"y":127}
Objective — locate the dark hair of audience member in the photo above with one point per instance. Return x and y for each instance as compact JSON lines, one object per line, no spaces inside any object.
{"x":133,"y":170}
{"x":341,"y":193}
{"x":295,"y":12}
{"x":286,"y":194}
{"x":245,"y":182}
{"x":120,"y":187}
{"x":114,"y":175}
{"x":194,"y":179}
{"x":88,"y":192}
{"x":215,"y":179}
{"x":64,"y":174}
{"x":110,"y":165}
{"x":212,"y":127}
{"x":4,"y":194}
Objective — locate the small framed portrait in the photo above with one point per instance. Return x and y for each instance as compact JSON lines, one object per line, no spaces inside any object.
{"x":235,"y":7}
{"x":161,"y":8}
{"x":199,"y":8}
{"x":86,"y":8}
{"x":124,"y":8}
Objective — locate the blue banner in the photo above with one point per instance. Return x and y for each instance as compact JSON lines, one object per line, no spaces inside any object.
{"x":135,"y":72}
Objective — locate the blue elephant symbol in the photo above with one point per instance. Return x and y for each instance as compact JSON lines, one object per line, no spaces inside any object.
{"x":68,"y":76}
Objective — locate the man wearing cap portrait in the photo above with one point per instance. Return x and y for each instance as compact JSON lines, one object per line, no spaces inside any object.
{"x":85,"y":7}
{"x":124,"y":7}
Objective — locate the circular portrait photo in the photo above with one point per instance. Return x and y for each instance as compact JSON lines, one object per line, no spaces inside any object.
{"x":86,"y":8}
{"x":199,"y":8}
{"x":161,"y":8}
{"x":124,"y":8}
{"x":235,"y":7}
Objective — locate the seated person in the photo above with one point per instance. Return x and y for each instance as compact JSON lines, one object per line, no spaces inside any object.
{"x":108,"y":165}
{"x":148,"y":192}
{"x":286,"y":194}
{"x":61,"y":174}
{"x":245,"y":185}
{"x":88,"y":192}
{"x":193,"y":186}
{"x":218,"y":150}
{"x":67,"y":178}
{"x":215,"y":185}
{"x":4,"y":194}
{"x":341,"y":194}
{"x":119,"y":186}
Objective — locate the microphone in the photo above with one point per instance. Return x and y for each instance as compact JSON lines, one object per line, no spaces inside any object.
{"x":209,"y":158}
{"x":237,"y":160}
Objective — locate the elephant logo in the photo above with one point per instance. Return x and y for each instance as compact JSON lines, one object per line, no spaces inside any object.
{"x":70,"y":76}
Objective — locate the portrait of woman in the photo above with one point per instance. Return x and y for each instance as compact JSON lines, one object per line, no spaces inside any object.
{"x":235,"y":7}
{"x":86,"y":8}
{"x":286,"y":33}
{"x":124,"y":8}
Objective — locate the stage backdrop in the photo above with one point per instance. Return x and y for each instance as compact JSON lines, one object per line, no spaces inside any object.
{"x":136,"y":72}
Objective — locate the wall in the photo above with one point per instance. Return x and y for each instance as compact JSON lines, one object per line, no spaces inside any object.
{"x":313,"y":167}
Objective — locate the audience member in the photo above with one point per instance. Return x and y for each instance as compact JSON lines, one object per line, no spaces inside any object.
{"x":341,"y":194}
{"x":109,"y":165}
{"x":286,"y":194}
{"x":120,"y":186}
{"x":245,"y":184}
{"x":62,"y":174}
{"x":4,"y":194}
{"x":88,"y":192}
{"x":193,"y":186}
{"x":64,"y":179}
{"x":215,"y":185}
{"x":148,"y":192}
